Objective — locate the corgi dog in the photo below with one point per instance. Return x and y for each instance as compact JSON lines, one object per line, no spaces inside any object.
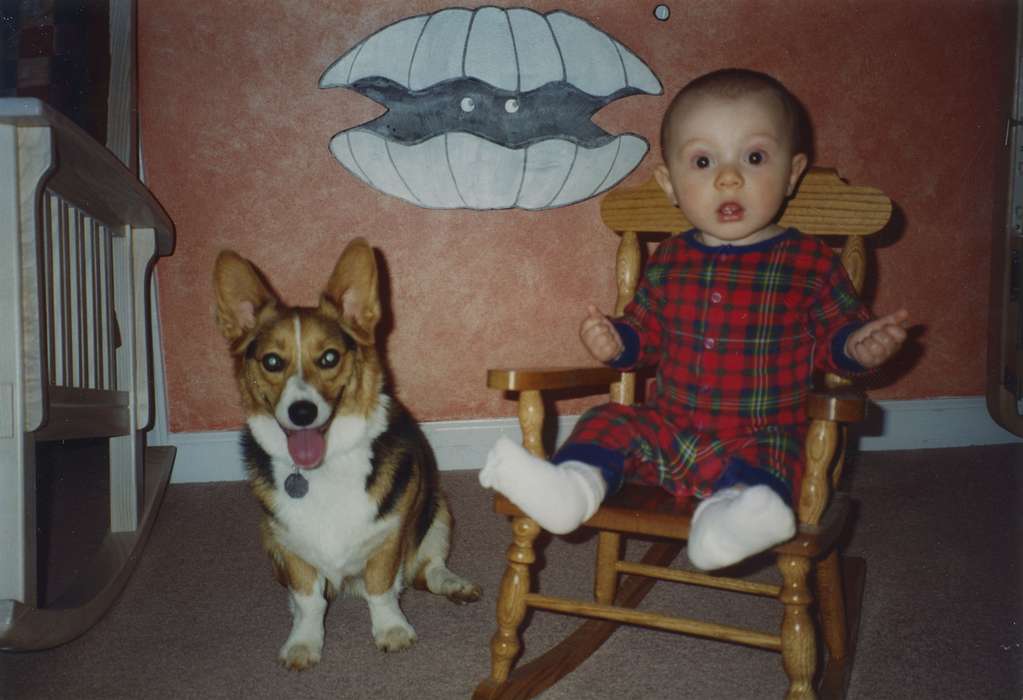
{"x":347,"y":482}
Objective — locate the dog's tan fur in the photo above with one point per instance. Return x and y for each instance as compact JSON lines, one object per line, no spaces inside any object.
{"x":401,"y":484}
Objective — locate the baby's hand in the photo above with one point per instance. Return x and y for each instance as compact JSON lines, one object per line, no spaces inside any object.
{"x":599,"y":336}
{"x":878,"y":340}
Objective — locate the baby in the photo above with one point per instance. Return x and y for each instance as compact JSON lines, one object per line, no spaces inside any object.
{"x":735,"y":314}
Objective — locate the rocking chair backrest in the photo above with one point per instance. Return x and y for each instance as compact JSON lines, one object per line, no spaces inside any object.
{"x":824,"y":205}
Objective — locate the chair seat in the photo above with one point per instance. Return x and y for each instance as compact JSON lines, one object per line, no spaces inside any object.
{"x":651,"y":511}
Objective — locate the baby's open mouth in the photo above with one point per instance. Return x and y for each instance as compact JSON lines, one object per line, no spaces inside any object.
{"x":730,"y":211}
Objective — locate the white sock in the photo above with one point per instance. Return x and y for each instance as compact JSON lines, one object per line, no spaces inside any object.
{"x":558,"y":497}
{"x":736,"y":522}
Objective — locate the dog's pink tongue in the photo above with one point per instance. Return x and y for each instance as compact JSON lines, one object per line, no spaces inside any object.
{"x":306,"y":447}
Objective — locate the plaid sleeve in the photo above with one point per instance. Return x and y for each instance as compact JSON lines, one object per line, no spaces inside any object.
{"x":836,"y":314}
{"x":640,"y":327}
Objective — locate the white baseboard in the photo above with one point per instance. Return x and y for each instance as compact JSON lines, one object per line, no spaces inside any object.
{"x":891,"y":425}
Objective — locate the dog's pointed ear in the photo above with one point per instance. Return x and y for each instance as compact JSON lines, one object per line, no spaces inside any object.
{"x":354,"y":288}
{"x":241,"y":295}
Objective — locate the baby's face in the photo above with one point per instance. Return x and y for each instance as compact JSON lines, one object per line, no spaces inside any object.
{"x":730,"y":166}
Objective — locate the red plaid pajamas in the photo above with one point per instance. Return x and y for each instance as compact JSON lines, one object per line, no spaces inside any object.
{"x":736,"y":333}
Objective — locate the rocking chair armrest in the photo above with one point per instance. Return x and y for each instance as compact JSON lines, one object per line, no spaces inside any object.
{"x":546,"y":378}
{"x":841,"y":406}
{"x":837,"y":406}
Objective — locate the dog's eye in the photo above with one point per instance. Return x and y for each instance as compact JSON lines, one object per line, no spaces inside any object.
{"x":329,"y":359}
{"x":272,"y":362}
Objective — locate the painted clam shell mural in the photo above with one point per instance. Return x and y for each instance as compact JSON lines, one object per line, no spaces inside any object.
{"x":490,"y":109}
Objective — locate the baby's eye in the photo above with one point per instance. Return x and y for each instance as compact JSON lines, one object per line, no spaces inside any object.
{"x":272,"y":362}
{"x":756,"y":158}
{"x":701,"y":162}
{"x":329,"y":359}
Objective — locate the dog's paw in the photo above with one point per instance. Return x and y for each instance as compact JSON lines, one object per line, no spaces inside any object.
{"x":461,"y":591}
{"x":299,"y":656}
{"x":439,"y":579}
{"x":395,"y":639}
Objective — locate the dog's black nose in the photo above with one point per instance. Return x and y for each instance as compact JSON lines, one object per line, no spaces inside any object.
{"x":302,"y":413}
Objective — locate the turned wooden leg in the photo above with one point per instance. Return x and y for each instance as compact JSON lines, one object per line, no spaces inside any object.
{"x":531,"y":421}
{"x":608,"y":550}
{"x":821,"y":440}
{"x":511,"y":604}
{"x":831,"y":603}
{"x":799,"y":649}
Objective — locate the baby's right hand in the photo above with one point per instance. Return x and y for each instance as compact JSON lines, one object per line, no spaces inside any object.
{"x":600,"y":336}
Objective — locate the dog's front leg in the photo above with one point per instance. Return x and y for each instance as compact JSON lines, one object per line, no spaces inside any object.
{"x":306,"y":588}
{"x":383,"y":584}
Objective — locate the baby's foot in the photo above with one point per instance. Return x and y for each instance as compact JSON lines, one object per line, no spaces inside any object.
{"x":501,"y":463}
{"x":559,"y":498}
{"x":736,"y":522}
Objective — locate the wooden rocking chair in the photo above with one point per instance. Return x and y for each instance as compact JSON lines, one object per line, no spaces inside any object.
{"x":824,"y":205}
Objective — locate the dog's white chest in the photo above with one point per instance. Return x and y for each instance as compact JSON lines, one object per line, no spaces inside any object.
{"x":334,"y":526}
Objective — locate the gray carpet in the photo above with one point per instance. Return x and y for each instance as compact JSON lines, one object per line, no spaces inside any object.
{"x":202,"y":618}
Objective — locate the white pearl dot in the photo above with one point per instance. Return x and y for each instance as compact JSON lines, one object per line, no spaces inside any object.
{"x":511,"y":106}
{"x":468,"y":104}
{"x":662,"y":12}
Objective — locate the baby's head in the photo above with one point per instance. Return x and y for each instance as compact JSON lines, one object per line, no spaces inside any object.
{"x":734,"y":144}
{"x":735,"y":83}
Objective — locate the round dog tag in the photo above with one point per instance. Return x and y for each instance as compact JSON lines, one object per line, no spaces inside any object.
{"x":296,"y":485}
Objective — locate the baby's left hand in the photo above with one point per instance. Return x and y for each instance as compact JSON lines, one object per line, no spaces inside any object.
{"x":878,"y":340}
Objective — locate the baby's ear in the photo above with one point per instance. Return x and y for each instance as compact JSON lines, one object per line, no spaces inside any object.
{"x":799,"y":163}
{"x":663,"y":178}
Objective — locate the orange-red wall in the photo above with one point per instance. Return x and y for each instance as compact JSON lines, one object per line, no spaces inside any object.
{"x":908,"y":96}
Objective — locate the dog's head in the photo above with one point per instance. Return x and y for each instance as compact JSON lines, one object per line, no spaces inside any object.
{"x":300,"y":368}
